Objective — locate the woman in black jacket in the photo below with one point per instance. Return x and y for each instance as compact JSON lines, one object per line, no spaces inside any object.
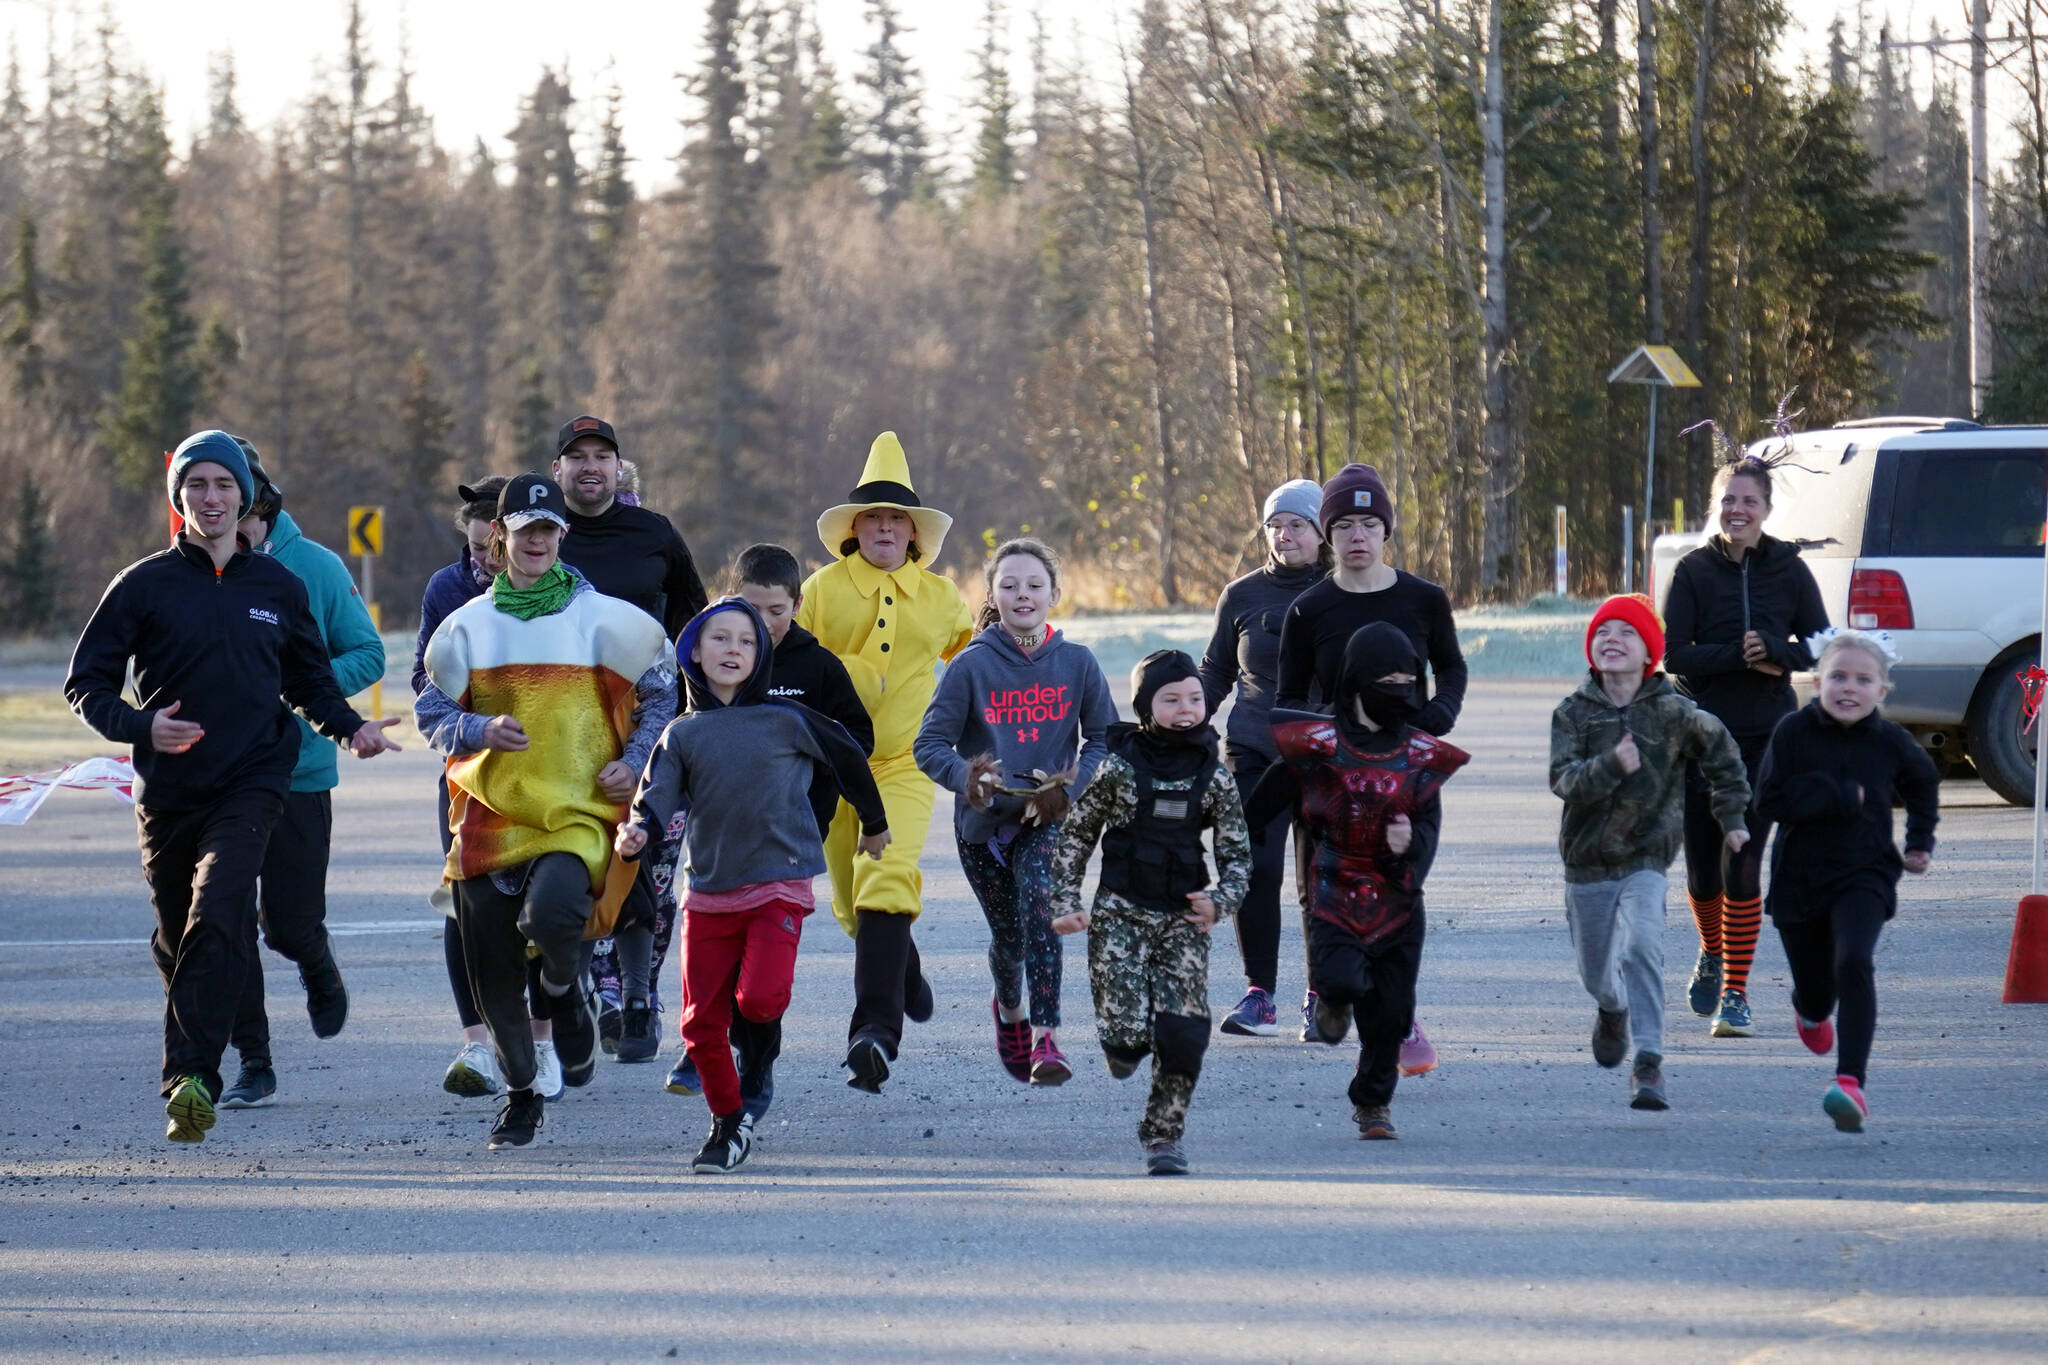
{"x":1733,"y":621}
{"x":1829,"y":776}
{"x":1242,"y":663}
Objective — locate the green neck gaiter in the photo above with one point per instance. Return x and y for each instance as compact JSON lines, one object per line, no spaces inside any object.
{"x":548,"y":595}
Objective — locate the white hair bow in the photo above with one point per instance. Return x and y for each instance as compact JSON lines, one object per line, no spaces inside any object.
{"x":1878,"y":640}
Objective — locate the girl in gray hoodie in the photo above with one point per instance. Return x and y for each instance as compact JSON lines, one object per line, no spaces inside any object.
{"x":1014,"y":731}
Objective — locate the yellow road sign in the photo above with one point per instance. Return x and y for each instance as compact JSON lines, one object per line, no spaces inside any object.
{"x":1659,"y":365}
{"x":366,"y":530}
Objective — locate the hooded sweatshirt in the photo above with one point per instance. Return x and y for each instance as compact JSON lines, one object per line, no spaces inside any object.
{"x":1035,"y":711}
{"x":744,"y":770}
{"x":1714,"y":601}
{"x":807,"y":673}
{"x":353,"y":646}
{"x":1618,"y":823}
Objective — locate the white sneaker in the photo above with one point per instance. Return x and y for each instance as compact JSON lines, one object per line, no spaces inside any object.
{"x":474,"y":1072}
{"x":547,"y":1075}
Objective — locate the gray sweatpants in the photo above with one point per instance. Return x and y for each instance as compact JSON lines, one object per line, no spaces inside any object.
{"x":1618,"y":934}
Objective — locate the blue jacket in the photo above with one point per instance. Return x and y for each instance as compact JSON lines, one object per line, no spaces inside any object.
{"x":451,"y":586}
{"x":353,"y":646}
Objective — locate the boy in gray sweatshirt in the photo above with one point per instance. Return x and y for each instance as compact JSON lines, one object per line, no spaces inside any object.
{"x":743,"y":766}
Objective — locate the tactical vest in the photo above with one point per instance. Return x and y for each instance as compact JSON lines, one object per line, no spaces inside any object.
{"x":1156,"y":859}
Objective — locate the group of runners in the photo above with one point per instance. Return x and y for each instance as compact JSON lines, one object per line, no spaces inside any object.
{"x":624,"y":754}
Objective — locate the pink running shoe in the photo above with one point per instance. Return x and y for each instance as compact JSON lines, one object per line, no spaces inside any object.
{"x":1819,"y":1038}
{"x":1048,"y":1063}
{"x":1013,"y":1042}
{"x":1845,"y":1104}
{"x":1417,"y":1053}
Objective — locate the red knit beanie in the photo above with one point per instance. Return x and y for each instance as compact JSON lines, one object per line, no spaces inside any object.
{"x":1634,"y":610}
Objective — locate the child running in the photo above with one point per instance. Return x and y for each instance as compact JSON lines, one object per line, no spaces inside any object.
{"x":1148,"y":934}
{"x":805,"y":672}
{"x":1828,"y":779}
{"x":1003,"y":732}
{"x":750,"y":848}
{"x":1619,"y":747}
{"x":1363,"y":783}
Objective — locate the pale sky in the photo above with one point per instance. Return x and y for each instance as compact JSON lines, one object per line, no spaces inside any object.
{"x":473,"y":59}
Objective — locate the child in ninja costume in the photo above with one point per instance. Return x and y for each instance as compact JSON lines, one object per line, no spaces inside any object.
{"x":743,"y":766}
{"x":1363,"y":786}
{"x":1148,"y":940}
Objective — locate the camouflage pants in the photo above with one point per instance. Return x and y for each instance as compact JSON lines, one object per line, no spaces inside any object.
{"x":1150,"y":971}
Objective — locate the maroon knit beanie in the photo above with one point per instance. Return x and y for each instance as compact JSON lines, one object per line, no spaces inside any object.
{"x":1357,"y":489}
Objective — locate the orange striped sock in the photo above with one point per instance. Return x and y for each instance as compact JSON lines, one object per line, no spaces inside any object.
{"x":1744,"y":920}
{"x":1706,"y":914}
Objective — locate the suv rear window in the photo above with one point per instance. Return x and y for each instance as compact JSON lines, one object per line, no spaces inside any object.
{"x":1817,"y":501}
{"x":1970,"y":503}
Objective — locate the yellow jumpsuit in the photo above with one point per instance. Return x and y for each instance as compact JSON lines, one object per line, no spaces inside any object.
{"x":890,"y":628}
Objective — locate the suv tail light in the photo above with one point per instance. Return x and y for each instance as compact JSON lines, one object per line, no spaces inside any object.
{"x":1878,"y":601}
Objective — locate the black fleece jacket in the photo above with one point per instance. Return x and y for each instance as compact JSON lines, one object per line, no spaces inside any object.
{"x":805,"y":672}
{"x":637,"y":555}
{"x":1714,"y":599}
{"x":1829,"y":787}
{"x":232,"y":648}
{"x":1244,"y":651}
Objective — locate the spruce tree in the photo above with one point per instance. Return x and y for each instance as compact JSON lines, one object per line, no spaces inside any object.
{"x":32,"y":565}
{"x":22,"y":307}
{"x":892,"y":137}
{"x":995,"y":152}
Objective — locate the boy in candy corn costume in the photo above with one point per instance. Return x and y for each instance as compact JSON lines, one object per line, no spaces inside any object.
{"x":890,"y":620}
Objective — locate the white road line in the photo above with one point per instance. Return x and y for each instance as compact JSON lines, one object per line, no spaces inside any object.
{"x":375,"y":926}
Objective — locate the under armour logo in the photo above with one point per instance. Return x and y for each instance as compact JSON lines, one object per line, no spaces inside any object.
{"x":1028,"y":736}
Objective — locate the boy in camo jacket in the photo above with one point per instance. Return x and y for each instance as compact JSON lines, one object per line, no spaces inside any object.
{"x":1148,"y":940}
{"x":1619,"y":747}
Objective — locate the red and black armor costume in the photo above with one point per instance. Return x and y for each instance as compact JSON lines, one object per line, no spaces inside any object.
{"x":1348,"y":796}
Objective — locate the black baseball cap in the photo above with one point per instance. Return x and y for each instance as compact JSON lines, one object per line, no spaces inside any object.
{"x":532,"y":497}
{"x":576,"y":428}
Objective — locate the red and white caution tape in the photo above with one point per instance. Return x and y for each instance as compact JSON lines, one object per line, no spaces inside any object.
{"x":2032,"y":681}
{"x":21,"y":797}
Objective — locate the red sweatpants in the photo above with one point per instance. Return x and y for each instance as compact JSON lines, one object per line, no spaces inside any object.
{"x":744,"y":957}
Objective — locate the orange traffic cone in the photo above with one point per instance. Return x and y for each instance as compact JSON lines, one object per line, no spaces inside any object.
{"x":2026,"y":968}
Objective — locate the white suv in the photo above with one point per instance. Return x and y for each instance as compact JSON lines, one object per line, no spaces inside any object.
{"x":1930,"y":529}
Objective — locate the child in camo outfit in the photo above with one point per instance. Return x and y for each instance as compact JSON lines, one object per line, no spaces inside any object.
{"x":1148,"y":941}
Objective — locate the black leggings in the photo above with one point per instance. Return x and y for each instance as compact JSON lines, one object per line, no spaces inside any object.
{"x":451,"y":950}
{"x":1378,"y":983}
{"x":1831,"y":956}
{"x":1258,"y":919}
{"x":1710,"y":869}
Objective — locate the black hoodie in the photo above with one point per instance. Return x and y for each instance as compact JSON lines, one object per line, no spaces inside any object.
{"x":744,"y":772}
{"x":808,"y":674}
{"x":1714,"y":600}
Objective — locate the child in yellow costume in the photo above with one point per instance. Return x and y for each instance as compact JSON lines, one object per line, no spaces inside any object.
{"x":890,"y":620}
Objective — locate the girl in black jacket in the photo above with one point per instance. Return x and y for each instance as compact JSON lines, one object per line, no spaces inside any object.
{"x":1737,"y":610}
{"x":1828,"y":779}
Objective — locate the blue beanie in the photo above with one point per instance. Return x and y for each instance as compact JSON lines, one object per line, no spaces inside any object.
{"x":211,"y":447}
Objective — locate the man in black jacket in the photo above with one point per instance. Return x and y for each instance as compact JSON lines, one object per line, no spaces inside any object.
{"x":221,"y":639}
{"x":636,"y":555}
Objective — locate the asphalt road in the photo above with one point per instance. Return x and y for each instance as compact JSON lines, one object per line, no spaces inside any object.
{"x":1525,"y":1214}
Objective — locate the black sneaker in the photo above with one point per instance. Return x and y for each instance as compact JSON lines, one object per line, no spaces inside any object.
{"x":1165,"y":1156}
{"x":522,"y":1114}
{"x":326,"y":996}
{"x":1648,"y":1082}
{"x":575,"y":1015}
{"x":611,"y":1023}
{"x":917,"y":1001}
{"x":1332,"y":1021}
{"x":869,"y":1064}
{"x":637,"y":1042}
{"x":1610,"y":1037}
{"x":1375,"y":1122}
{"x":254,"y":1087}
{"x":726,"y":1149}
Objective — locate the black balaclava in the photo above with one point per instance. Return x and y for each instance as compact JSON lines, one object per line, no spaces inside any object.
{"x":1173,"y":754}
{"x":1373,"y":652}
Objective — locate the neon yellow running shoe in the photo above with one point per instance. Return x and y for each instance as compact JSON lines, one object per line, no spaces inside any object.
{"x":190,"y":1110}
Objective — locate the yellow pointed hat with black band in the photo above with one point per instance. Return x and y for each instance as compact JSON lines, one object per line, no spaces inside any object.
{"x":885,"y":482}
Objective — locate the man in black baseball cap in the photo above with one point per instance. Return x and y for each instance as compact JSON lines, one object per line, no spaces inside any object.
{"x":635,"y":554}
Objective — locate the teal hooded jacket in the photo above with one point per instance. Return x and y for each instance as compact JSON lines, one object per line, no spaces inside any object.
{"x":353,"y":645}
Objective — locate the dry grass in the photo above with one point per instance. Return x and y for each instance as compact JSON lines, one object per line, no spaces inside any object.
{"x":38,"y":731}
